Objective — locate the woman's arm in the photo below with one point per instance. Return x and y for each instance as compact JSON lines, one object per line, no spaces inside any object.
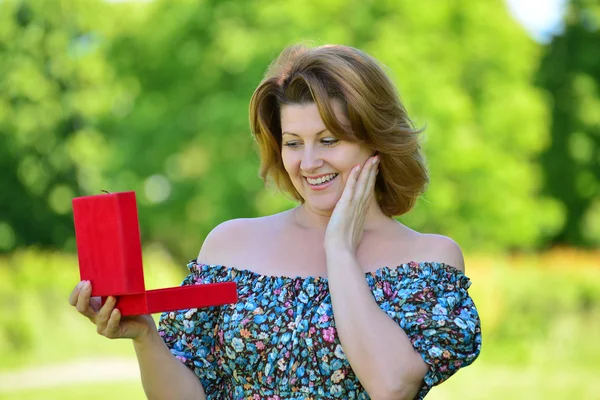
{"x":163,"y":376}
{"x":380,"y":353}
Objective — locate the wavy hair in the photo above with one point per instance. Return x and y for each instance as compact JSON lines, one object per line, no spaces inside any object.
{"x":377,"y":118}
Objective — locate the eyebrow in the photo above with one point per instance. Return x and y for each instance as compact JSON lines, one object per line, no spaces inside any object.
{"x":295,"y":134}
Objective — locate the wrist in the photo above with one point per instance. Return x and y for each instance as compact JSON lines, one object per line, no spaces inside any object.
{"x":150,"y":334}
{"x":339,"y":253}
{"x":334,"y":245}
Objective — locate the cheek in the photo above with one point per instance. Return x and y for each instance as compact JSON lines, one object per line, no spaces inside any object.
{"x":289,"y":164}
{"x":348,"y":155}
{"x":345,"y":176}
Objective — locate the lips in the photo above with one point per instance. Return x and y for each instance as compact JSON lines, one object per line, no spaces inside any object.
{"x":323,"y":185}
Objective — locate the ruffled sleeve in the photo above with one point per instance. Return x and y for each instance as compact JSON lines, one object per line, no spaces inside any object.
{"x":190,"y":335}
{"x":431,"y":304}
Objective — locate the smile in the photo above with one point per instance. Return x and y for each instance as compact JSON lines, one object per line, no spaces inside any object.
{"x":321,"y":181}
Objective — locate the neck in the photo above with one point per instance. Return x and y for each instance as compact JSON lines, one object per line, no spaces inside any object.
{"x":308,"y":218}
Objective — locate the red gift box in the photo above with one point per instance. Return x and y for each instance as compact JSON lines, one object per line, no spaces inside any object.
{"x":110,"y":257}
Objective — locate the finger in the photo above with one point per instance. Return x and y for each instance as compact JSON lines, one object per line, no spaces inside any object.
{"x":370,"y":184}
{"x":362,"y":184}
{"x":83,"y":301}
{"x":112,"y":326}
{"x":104,"y":314}
{"x":75,"y":294}
{"x":348,"y":192}
{"x":369,"y":199}
{"x":96,"y":303}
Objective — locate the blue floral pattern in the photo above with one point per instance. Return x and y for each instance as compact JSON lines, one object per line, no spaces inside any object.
{"x":279,"y":340}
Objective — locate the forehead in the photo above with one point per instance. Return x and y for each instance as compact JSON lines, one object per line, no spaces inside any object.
{"x":305,"y":118}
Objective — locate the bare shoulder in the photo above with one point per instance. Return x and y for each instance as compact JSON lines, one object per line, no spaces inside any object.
{"x":442,"y":249}
{"x":219,"y":240}
{"x":234,"y":237}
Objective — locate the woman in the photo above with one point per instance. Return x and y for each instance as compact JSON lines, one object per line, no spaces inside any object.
{"x":336,"y":298}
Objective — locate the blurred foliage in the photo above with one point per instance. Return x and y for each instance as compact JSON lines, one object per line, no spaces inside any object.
{"x":54,"y":86}
{"x":570,"y":71}
{"x":544,"y":342}
{"x":39,"y":324}
{"x":153,"y":97}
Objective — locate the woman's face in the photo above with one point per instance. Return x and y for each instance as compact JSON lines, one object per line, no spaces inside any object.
{"x":317,"y":162}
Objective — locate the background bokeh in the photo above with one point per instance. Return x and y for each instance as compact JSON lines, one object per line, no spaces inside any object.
{"x":153,"y":96}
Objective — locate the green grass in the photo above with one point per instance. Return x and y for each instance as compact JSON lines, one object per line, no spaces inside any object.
{"x":116,"y":391}
{"x":478,"y":382}
{"x":553,"y":382}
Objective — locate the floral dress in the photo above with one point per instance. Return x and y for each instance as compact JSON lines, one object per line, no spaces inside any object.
{"x":279,"y":340}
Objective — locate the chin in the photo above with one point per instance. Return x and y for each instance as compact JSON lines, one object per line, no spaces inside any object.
{"x":322,"y":206}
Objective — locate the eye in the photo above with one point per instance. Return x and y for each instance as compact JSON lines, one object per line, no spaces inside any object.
{"x":292,"y":144}
{"x":329,"y":141}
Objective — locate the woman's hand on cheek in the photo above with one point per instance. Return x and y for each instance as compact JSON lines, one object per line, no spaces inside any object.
{"x":345,"y":227}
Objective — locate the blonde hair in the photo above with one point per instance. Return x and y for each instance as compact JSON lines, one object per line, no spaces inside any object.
{"x":371,"y":103}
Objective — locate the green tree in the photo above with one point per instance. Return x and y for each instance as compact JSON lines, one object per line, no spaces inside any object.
{"x":570,"y":72}
{"x":54,"y":84}
{"x":160,"y":92}
{"x":464,"y":70}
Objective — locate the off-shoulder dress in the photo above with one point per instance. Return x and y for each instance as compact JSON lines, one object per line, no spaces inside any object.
{"x":279,"y":341}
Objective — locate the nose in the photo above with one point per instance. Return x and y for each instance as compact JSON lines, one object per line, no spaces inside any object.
{"x":311,"y":160}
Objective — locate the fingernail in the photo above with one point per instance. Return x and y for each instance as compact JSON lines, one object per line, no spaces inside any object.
{"x":79,"y":285}
{"x":375,"y":161}
{"x":86,"y":285}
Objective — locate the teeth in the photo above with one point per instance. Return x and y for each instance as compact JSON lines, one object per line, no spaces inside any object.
{"x":321,"y":180}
